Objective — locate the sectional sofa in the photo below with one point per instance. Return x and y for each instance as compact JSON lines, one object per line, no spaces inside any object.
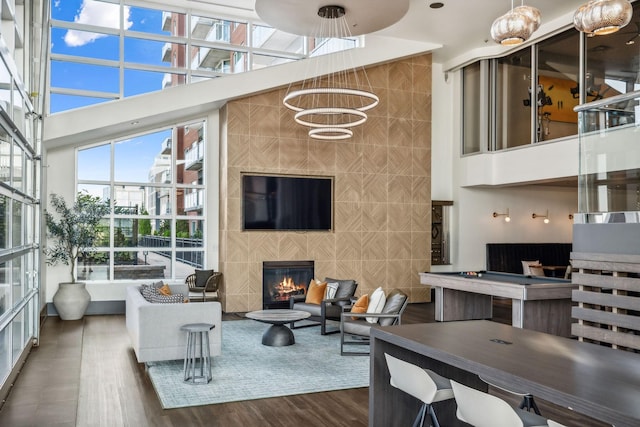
{"x":154,"y":328}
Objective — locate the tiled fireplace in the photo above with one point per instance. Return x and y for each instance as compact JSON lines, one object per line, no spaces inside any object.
{"x":282,"y":279}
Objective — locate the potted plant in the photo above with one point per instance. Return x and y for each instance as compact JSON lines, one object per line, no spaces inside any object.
{"x":74,"y":230}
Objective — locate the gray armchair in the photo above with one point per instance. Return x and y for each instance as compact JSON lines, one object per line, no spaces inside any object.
{"x":355,"y":330}
{"x":328,"y":309}
{"x":204,"y":285}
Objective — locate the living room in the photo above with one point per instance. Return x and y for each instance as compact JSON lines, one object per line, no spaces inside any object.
{"x":404,"y":157}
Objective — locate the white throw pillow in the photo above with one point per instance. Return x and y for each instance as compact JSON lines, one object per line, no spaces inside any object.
{"x":526,"y":264}
{"x":376,"y":304}
{"x":331,"y":290}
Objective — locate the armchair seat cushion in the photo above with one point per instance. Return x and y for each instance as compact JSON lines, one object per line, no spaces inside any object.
{"x":358,"y":327}
{"x":316,"y":309}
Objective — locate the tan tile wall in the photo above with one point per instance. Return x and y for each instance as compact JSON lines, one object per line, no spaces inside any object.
{"x":382,"y":188}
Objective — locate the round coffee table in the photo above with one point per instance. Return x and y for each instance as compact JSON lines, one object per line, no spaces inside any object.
{"x":278,"y":335}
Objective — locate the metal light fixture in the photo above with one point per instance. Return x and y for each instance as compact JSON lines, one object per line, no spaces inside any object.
{"x":515,"y":26}
{"x":602,"y":17}
{"x":545,"y":216}
{"x":330,"y":106}
{"x":335,"y":96}
{"x":507,"y":218}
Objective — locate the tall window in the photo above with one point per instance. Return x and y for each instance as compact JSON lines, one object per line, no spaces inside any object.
{"x":513,"y":100}
{"x":154,"y":183}
{"x":472,"y":109}
{"x":103,"y":50}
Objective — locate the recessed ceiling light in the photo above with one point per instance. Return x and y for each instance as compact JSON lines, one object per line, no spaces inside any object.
{"x":134,"y":123}
{"x":436,"y":5}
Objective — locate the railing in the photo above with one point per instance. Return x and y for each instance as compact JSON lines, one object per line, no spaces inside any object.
{"x":194,"y":154}
{"x":609,"y":136}
{"x":194,"y":200}
{"x":164,"y":249}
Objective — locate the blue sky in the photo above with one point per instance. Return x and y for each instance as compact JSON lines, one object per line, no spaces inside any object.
{"x":100,"y":46}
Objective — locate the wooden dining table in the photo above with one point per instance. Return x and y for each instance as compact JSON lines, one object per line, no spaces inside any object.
{"x":593,"y":380}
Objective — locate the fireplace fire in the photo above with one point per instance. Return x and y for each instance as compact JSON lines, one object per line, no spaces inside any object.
{"x":283,"y":279}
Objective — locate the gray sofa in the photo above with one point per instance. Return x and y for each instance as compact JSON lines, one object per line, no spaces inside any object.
{"x":154,"y":329}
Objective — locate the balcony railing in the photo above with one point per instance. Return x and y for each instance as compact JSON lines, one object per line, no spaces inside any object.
{"x":609,"y":131}
{"x":166,"y":52}
{"x":166,"y":21}
{"x":166,"y":146}
{"x":165,"y":177}
{"x":194,"y":200}
{"x":193,"y":156}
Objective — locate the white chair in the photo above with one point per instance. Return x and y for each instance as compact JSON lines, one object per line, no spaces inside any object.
{"x":423,"y":384}
{"x":527,"y":403}
{"x":552,"y":423}
{"x":481,"y":409}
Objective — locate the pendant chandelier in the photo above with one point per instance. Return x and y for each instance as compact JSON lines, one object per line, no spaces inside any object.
{"x":602,"y":17}
{"x":515,"y":26}
{"x":332,"y":104}
{"x":334,"y":96}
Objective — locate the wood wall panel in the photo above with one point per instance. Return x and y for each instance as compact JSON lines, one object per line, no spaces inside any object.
{"x":382,"y":188}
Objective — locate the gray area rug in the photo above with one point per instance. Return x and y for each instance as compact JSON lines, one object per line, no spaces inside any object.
{"x":248,"y":370}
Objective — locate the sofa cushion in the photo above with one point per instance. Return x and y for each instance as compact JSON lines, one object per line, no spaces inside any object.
{"x":376,"y":304}
{"x":394,"y":303}
{"x":202,"y":276}
{"x":315,"y":292}
{"x":361,"y":305}
{"x":153,"y":294}
{"x":165,"y":290}
{"x":167,"y":299}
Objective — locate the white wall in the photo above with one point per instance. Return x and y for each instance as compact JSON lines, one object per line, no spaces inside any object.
{"x":482,"y":184}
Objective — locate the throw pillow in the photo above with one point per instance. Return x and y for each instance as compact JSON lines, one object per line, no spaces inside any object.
{"x":167,"y":299}
{"x":332,"y":288}
{"x":395,"y":301}
{"x":361,"y":305}
{"x":202,"y":276}
{"x":147,"y":291}
{"x":165,"y":290}
{"x":526,"y":264}
{"x":315,"y":292}
{"x":376,"y":304}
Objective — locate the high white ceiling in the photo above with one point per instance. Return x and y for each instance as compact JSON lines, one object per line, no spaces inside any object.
{"x":460,"y":26}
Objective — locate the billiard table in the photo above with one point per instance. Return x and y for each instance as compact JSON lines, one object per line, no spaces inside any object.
{"x":539,"y":303}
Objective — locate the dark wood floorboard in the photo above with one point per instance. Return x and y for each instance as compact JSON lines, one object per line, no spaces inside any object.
{"x":84,"y":373}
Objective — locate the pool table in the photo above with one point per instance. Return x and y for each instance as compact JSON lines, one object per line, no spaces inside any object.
{"x":539,"y":303}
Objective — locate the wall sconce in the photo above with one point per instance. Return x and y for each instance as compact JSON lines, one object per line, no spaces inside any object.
{"x":570,"y":216}
{"x":507,"y":218}
{"x":545,"y":216}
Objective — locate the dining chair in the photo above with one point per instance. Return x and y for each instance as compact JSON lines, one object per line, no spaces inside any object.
{"x":481,"y":409}
{"x":423,"y":384}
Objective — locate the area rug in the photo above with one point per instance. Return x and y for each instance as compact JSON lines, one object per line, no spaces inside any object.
{"x":248,"y":370}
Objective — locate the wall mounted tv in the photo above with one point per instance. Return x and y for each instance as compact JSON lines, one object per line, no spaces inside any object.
{"x":287,"y":202}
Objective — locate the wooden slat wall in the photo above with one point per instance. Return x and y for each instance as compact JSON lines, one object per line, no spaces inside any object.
{"x":607,"y":301}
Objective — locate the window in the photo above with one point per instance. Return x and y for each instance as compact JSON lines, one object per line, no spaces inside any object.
{"x":471,"y":108}
{"x":121,"y":50}
{"x":154,"y":183}
{"x":512,"y":93}
{"x":528,"y":96}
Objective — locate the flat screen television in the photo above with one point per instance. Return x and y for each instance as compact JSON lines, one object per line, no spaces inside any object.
{"x":287,"y":202}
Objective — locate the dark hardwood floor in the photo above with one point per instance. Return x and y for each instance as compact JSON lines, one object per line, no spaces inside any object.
{"x":84,"y":373}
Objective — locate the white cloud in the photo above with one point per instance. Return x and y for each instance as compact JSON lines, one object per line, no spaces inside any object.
{"x":96,"y":13}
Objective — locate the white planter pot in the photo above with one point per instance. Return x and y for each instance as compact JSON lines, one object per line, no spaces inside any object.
{"x":71,"y":300}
